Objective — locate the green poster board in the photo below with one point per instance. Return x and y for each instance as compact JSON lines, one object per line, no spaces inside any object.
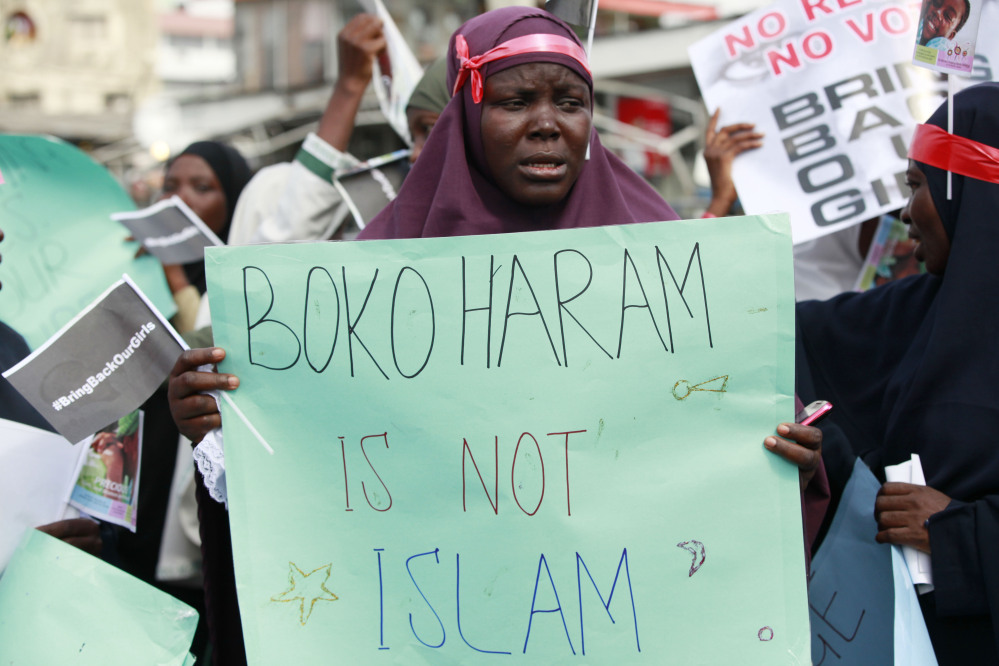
{"x":59,"y":605}
{"x":530,"y":447}
{"x":61,"y":249}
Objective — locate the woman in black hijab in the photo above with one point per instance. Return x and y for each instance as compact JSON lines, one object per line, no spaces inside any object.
{"x":912,"y":367}
{"x":209,"y":177}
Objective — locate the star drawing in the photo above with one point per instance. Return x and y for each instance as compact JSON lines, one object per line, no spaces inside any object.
{"x":307,"y":589}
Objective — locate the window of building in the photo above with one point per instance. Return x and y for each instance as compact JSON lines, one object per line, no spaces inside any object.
{"x":88,"y":28}
{"x":117,"y":102}
{"x":186,"y":41}
{"x":25,"y":101}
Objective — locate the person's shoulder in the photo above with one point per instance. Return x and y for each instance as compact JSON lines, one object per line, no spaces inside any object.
{"x":7,"y":332}
{"x":266,"y":183}
{"x":12,"y":346}
{"x":257,"y":200}
{"x":270,"y":174}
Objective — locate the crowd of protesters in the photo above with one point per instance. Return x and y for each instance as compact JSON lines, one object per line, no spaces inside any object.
{"x":504,"y":142}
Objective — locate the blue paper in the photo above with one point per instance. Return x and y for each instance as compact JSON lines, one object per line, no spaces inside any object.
{"x":851,"y":592}
{"x":912,"y":641}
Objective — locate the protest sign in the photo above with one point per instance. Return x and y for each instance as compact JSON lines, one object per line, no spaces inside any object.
{"x":37,"y":468}
{"x":370,"y":186}
{"x":946,"y":35}
{"x":397,"y":71}
{"x":61,"y":249}
{"x":891,"y":256}
{"x":102,"y":365}
{"x":850,"y":594}
{"x":59,"y":605}
{"x":107,"y":479}
{"x":546,"y":445}
{"x":170,"y":230}
{"x":832,"y":87}
{"x":863,"y":610}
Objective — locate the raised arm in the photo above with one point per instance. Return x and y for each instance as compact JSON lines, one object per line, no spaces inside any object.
{"x":358,"y":44}
{"x":721,"y":147}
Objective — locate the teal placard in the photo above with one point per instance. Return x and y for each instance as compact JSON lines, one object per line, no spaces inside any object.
{"x":59,"y":605}
{"x":61,"y":249}
{"x":537,"y":447}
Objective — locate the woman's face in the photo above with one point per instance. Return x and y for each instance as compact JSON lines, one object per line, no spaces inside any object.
{"x":536,"y":121}
{"x":420,"y":122}
{"x":925,"y":226}
{"x":191,"y":179}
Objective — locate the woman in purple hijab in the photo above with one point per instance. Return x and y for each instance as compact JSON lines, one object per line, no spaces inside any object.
{"x":509,"y":153}
{"x":456,"y":188}
{"x":514,"y":150}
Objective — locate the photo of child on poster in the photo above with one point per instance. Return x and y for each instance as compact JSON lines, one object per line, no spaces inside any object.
{"x":118,"y":454}
{"x":892,"y":255}
{"x":107,"y":484}
{"x":946,"y":35}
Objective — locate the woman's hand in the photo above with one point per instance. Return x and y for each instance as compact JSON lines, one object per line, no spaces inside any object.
{"x":193,"y":410}
{"x":358,"y":44}
{"x":902,"y":510}
{"x":721,"y":147}
{"x":798,"y":444}
{"x":83,"y":533}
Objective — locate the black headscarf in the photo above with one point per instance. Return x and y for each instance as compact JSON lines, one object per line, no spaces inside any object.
{"x":431,"y":93}
{"x":913,"y":367}
{"x":233,"y":173}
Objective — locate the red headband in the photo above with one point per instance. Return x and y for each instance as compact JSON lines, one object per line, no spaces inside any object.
{"x":935,"y":146}
{"x":539,"y":43}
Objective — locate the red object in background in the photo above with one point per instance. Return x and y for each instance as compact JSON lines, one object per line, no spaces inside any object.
{"x":693,"y":11}
{"x":652,"y":116}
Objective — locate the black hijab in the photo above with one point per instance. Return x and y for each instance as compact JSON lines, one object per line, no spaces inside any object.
{"x":233,"y":173}
{"x":913,"y":367}
{"x":922,"y":354}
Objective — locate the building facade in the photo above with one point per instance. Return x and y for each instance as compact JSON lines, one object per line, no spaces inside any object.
{"x":77,"y":69}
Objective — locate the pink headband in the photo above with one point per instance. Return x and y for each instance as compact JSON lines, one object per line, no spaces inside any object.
{"x":539,"y":43}
{"x":935,"y":146}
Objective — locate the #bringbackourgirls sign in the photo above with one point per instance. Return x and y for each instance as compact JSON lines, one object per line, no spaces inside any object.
{"x":531,"y":448}
{"x":102,"y":365}
{"x":832,"y":86}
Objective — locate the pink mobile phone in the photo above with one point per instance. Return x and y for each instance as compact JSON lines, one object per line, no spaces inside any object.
{"x":812,"y":412}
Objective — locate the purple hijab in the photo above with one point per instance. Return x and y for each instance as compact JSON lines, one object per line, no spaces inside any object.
{"x":449,"y":191}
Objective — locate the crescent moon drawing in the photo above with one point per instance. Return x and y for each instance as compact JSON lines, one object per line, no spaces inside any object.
{"x":695,"y":548}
